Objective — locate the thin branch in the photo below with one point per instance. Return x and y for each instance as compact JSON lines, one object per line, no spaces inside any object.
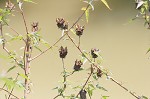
{"x":86,"y":81}
{"x":24,"y":20}
{"x":26,"y":56}
{"x":48,"y":48}
{"x":14,"y":30}
{"x":64,"y":82}
{"x":119,"y":84}
{"x":79,"y":41}
{"x":9,"y":93}
{"x":4,"y":47}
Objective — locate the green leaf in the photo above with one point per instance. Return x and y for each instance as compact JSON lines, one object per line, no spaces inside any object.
{"x":38,"y":48}
{"x":144,"y":97}
{"x":105,"y":97}
{"x":106,"y":4}
{"x":20,"y":85}
{"x":73,"y":31}
{"x":30,"y":1}
{"x":148,"y":51}
{"x":23,"y":76}
{"x":100,"y":87}
{"x":9,"y":82}
{"x":86,"y":13}
{"x":11,"y":68}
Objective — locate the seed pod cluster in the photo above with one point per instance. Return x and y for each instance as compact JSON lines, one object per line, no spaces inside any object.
{"x":61,"y":23}
{"x":79,"y":30}
{"x":93,"y":51}
{"x":34,"y":26}
{"x":77,"y":65}
{"x":63,"y":52}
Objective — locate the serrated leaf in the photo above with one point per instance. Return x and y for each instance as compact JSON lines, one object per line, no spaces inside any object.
{"x":106,"y":4}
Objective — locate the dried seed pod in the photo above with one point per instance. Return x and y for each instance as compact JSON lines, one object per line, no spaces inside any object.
{"x":77,"y":65}
{"x":61,"y":23}
{"x":93,"y":51}
{"x":83,"y":94}
{"x":9,"y":5}
{"x":79,"y":30}
{"x":99,"y":73}
{"x":63,"y":52}
{"x":34,"y":26}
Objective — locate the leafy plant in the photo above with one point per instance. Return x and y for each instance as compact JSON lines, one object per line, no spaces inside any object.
{"x":33,"y":40}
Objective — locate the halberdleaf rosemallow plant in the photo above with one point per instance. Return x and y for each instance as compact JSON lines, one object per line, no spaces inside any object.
{"x":32,"y":40}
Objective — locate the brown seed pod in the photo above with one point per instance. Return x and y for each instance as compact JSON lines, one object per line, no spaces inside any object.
{"x":77,"y":65}
{"x":79,"y":30}
{"x":99,"y":73}
{"x":83,"y":94}
{"x":63,"y":52}
{"x":61,"y":23}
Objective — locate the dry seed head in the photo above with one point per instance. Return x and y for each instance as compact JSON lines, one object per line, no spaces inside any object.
{"x":61,"y":23}
{"x":63,"y":52}
{"x":79,"y":30}
{"x":77,"y":65}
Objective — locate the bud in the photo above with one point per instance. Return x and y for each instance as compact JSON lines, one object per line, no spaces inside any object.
{"x":34,"y":26}
{"x":99,"y":73}
{"x":83,"y":94}
{"x":77,"y":65}
{"x":9,"y":5}
{"x":93,"y":51}
{"x":79,"y":30}
{"x":61,"y":23}
{"x":63,"y":52}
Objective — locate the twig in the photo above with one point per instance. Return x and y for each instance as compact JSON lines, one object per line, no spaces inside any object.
{"x":64,"y":71}
{"x":79,"y":41}
{"x":65,"y":78}
{"x":9,"y":93}
{"x":4,"y":47}
{"x":14,"y":30}
{"x":112,"y":79}
{"x":26,"y":57}
{"x":86,"y":81}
